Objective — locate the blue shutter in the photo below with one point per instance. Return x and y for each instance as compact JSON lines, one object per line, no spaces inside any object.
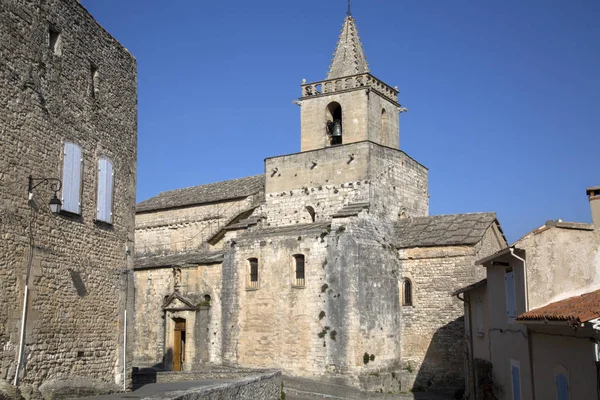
{"x":511,"y":303}
{"x":71,"y":189}
{"x":516,"y":382}
{"x":562,"y":387}
{"x":105,"y":190}
{"x":479,"y":314}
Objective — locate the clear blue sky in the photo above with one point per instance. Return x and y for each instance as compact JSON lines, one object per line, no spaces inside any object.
{"x":503,"y":96}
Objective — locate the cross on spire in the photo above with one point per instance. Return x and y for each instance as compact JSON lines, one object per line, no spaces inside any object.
{"x":349,"y":12}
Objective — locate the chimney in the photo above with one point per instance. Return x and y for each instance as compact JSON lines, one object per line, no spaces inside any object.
{"x":594,"y":196}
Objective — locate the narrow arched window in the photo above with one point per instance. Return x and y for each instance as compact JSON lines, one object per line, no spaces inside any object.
{"x":252,"y":273}
{"x":407,"y":292}
{"x":385,"y":125}
{"x":311,"y":212}
{"x":299,"y":263}
{"x":94,"y":81}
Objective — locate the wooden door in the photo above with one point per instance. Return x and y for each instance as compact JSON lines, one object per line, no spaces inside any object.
{"x":179,"y":344}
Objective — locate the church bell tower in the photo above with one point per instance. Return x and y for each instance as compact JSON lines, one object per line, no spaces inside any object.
{"x":351,"y":105}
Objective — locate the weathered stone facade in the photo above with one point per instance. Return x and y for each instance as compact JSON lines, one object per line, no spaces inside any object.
{"x":354,"y":210}
{"x":63,"y":78}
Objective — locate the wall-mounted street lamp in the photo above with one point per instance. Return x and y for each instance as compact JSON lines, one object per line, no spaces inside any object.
{"x":55,"y":185}
{"x":55,"y":206}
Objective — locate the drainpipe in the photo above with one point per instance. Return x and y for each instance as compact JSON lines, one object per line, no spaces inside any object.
{"x":530,"y":350}
{"x":24,"y":315}
{"x":22,"y":338}
{"x":472,"y":359}
{"x":512,"y":253}
{"x":125,"y":350}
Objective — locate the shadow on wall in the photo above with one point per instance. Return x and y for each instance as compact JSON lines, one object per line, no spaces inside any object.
{"x":442,"y":370}
{"x":144,"y":376}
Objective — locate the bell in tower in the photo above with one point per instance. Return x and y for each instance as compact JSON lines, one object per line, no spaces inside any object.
{"x":334,"y":123}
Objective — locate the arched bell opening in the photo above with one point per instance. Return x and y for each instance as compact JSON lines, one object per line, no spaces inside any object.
{"x":334,"y":123}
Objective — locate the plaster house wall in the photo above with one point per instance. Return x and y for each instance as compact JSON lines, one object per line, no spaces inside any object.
{"x":77,"y":288}
{"x":507,"y":339}
{"x":560,"y":350}
{"x":574,"y":257}
{"x":481,"y":348}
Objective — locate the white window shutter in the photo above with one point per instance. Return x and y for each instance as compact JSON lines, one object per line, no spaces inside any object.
{"x":105,"y":190}
{"x":511,"y":303}
{"x":71,"y":188}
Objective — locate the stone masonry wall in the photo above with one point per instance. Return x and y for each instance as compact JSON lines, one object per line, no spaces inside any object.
{"x":433,"y":327}
{"x":398,"y":183}
{"x":313,"y":119}
{"x":361,"y":119}
{"x":265,"y":385}
{"x":363,"y":301}
{"x":280,"y":324}
{"x":328,"y":179}
{"x":152,"y":287}
{"x":385,"y":133}
{"x":174,"y":230}
{"x":77,"y":286}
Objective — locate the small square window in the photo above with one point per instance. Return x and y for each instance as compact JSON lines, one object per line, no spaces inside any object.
{"x":54,"y":41}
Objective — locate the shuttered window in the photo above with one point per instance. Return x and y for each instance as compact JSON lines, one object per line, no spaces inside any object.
{"x":71,"y":179}
{"x":105,"y":190}
{"x":515,"y":372}
{"x":562,"y":387}
{"x":511,"y":302}
{"x":479,"y":315}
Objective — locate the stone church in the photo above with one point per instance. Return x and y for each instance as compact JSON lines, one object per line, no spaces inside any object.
{"x":327,"y":265}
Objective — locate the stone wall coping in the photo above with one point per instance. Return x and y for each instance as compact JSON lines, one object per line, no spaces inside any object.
{"x":206,"y":391}
{"x":353,"y":144}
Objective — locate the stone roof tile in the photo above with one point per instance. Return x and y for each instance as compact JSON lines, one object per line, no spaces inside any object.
{"x":443,"y":230}
{"x":298,"y":229}
{"x":209,"y":193}
{"x":349,"y":57}
{"x":178,"y":260}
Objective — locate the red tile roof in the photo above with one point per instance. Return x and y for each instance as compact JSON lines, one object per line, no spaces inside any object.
{"x":576,"y":309}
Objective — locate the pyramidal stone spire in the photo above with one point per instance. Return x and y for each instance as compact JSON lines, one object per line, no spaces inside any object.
{"x":349,"y":58}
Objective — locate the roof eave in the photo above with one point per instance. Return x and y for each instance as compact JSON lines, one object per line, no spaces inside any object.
{"x":498,"y":254}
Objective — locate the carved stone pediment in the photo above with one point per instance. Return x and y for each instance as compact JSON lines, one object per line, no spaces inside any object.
{"x":176,"y":302}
